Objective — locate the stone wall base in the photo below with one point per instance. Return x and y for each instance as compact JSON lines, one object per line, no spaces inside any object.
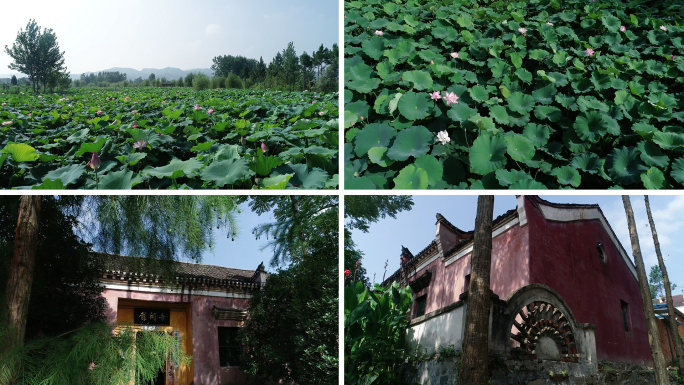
{"x":506,"y":371}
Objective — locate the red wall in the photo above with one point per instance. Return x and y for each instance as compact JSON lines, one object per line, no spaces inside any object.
{"x":564,"y":257}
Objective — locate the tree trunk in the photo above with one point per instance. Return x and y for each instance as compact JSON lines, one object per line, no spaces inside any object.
{"x":679,"y":352}
{"x":475,"y":353}
{"x":21,"y":268}
{"x":661,"y":375}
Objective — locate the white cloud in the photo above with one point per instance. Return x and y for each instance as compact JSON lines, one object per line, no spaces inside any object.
{"x":212,"y":30}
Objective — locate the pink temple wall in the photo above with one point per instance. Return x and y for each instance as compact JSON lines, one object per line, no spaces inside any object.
{"x":206,"y":369}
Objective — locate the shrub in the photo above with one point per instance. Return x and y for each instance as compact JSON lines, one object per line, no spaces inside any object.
{"x":374,"y":332}
{"x":188,"y":79}
{"x":544,"y":94}
{"x":200,"y":82}
{"x":234,"y":81}
{"x":218,"y":82}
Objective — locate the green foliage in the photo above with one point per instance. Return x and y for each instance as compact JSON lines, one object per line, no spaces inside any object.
{"x":92,"y":355}
{"x":553,"y":91}
{"x":218,"y":82}
{"x":292,"y":332}
{"x":186,"y":146}
{"x":200,"y":82}
{"x":656,"y":283}
{"x":374,"y":332}
{"x":159,"y":226}
{"x":295,"y":216}
{"x":233,"y":81}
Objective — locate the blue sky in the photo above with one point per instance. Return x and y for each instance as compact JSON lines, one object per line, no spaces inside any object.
{"x":98,"y":34}
{"x":415,"y":229}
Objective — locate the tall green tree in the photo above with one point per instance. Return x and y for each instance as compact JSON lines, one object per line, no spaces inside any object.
{"x":292,"y":331}
{"x":14,"y":80}
{"x":51,"y":70}
{"x":656,"y":282}
{"x":25,"y":52}
{"x":660,"y":369}
{"x":290,"y":65}
{"x":307,"y":70}
{"x":293,"y":221}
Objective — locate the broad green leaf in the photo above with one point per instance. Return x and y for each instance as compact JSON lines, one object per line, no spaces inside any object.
{"x":225,"y":172}
{"x":21,"y":152}
{"x":624,"y":166}
{"x":432,"y":166}
{"x":263,"y":165}
{"x":519,"y":147}
{"x":414,"y":106}
{"x":119,"y":180}
{"x":487,"y":154}
{"x":520,"y":102}
{"x":414,"y":141}
{"x":421,"y":80}
{"x":304,"y":177}
{"x":175,"y":169}
{"x":567,"y":175}
{"x":411,"y":178}
{"x":653,"y":179}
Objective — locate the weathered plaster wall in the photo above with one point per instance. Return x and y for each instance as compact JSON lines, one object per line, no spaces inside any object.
{"x":439,"y":331}
{"x":509,"y":270}
{"x":564,"y":257}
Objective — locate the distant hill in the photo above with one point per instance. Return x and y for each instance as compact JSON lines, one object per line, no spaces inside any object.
{"x":170,"y":73}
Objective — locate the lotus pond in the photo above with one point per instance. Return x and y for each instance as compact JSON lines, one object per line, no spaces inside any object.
{"x":169,"y":138}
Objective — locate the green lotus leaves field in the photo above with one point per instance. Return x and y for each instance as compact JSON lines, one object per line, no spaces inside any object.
{"x":169,"y":138}
{"x":539,"y":94}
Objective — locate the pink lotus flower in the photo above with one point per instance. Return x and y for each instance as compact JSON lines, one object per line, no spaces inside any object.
{"x":242,"y":140}
{"x":623,"y":28}
{"x":378,"y":32}
{"x":435,"y":95}
{"x":6,"y":123}
{"x":590,"y":52}
{"x":551,"y":24}
{"x":126,"y":98}
{"x":4,"y":104}
{"x":347,"y":273}
{"x":321,"y":113}
{"x":135,"y":125}
{"x":210,"y":111}
{"x":522,"y":30}
{"x":664,"y":28}
{"x":432,"y":62}
{"x":451,"y":98}
{"x":263,"y":147}
{"x":454,"y":55}
{"x":672,"y":58}
{"x":94,"y":162}
{"x":197,"y":107}
{"x":99,"y":112}
{"x":32,"y":114}
{"x":140,"y":144}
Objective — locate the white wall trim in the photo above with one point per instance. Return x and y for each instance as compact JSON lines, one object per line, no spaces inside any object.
{"x":164,"y":290}
{"x":498,"y":231}
{"x":583,"y":214}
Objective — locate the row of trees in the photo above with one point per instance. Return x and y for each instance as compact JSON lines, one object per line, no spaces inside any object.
{"x":316,"y":71}
{"x":52,"y":269}
{"x":36,"y":53}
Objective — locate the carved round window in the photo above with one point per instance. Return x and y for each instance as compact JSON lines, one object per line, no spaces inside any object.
{"x":540,"y":330}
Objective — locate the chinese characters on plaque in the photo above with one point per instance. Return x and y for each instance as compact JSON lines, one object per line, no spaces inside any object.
{"x":152,"y":316}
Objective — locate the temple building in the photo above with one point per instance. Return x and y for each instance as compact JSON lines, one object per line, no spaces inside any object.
{"x":564,"y":289}
{"x":204,"y":306}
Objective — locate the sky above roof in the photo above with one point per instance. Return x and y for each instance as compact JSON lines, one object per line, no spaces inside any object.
{"x":98,"y":35}
{"x":415,"y":229}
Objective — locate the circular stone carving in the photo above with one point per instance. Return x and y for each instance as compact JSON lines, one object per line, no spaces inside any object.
{"x":537,"y":327}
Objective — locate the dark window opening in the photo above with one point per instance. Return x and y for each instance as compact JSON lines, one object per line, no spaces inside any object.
{"x":467,"y":283}
{"x":421,"y":303}
{"x":601,"y":253}
{"x":625,"y":314}
{"x":230,"y":349}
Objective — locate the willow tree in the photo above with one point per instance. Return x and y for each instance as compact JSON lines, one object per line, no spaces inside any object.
{"x":679,"y":352}
{"x":659,"y":367}
{"x":158,"y":227}
{"x":475,"y":353}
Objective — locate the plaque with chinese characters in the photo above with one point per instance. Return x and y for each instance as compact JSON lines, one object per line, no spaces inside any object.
{"x":152,"y":316}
